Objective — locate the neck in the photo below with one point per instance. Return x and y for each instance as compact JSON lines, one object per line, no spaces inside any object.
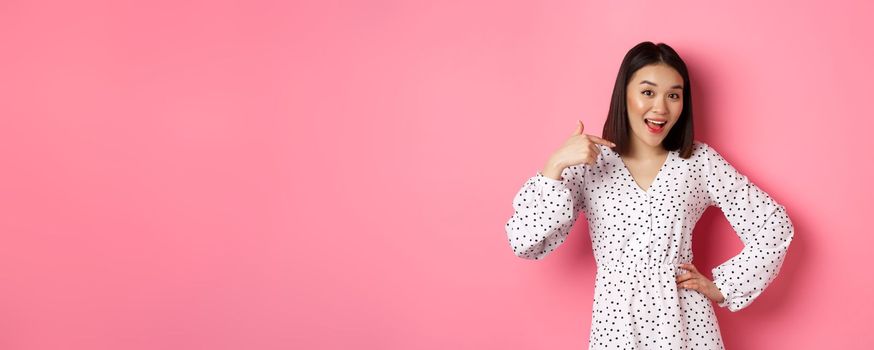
{"x":641,"y":150}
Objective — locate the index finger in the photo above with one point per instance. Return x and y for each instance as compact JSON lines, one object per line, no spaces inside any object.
{"x":599,"y":140}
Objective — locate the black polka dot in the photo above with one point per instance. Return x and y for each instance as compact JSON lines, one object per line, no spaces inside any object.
{"x":639,"y":237}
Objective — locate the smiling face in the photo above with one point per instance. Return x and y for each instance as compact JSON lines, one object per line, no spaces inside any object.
{"x":655,"y":92}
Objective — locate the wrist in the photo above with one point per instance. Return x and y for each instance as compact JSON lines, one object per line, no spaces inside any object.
{"x":552,"y":171}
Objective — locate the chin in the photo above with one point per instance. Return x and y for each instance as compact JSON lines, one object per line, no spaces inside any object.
{"x":654,"y":143}
{"x":652,"y":140}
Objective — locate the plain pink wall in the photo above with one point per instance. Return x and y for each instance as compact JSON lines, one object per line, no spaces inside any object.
{"x":337,"y":174}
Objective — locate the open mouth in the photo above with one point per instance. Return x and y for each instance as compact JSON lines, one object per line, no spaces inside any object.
{"x":655,"y":125}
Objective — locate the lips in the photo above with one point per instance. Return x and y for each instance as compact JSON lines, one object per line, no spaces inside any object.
{"x":655,"y":125}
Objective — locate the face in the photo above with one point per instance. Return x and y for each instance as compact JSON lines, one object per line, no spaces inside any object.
{"x":655,"y":92}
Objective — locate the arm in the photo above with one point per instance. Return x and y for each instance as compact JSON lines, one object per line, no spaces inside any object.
{"x":762,"y":225}
{"x":545,"y":209}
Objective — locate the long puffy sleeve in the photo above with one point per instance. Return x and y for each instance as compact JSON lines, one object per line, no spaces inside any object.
{"x":545,"y":209}
{"x":762,"y":225}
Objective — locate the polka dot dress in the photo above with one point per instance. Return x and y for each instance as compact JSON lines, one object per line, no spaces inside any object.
{"x":639,"y":237}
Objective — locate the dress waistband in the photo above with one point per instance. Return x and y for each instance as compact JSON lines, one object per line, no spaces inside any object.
{"x":642,"y":266}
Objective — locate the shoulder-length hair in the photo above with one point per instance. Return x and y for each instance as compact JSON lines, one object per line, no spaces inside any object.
{"x":616,"y":128}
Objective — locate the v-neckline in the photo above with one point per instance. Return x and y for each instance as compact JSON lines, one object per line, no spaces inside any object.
{"x":654,"y":180}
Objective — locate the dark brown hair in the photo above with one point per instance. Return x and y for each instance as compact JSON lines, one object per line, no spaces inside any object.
{"x":616,"y":128}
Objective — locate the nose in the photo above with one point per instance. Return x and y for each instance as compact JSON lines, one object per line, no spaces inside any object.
{"x":659,"y":106}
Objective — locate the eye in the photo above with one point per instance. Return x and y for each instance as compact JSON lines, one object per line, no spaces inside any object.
{"x":675,"y":95}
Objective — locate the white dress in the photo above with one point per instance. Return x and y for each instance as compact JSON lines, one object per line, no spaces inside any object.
{"x":639,"y":238}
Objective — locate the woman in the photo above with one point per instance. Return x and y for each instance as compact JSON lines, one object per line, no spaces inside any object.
{"x":642,"y":187}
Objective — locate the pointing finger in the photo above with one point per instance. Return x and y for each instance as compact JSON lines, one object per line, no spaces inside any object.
{"x":599,"y":140}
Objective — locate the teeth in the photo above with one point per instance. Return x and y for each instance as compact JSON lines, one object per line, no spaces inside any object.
{"x":657,"y":123}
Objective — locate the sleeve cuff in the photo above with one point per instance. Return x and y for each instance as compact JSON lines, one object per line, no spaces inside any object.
{"x":545,"y":180}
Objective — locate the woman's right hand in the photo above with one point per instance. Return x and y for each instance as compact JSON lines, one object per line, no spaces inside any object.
{"x":577,"y":149}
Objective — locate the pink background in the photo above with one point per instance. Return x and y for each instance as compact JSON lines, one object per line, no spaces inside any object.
{"x":337,"y":174}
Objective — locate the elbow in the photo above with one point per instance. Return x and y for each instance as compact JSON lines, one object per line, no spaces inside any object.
{"x":535,"y":244}
{"x":528,"y":256}
{"x":527,"y":252}
{"x":522,"y":242}
{"x":521,"y":255}
{"x":789,"y":227}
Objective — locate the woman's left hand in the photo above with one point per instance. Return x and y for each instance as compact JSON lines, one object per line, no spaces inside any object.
{"x":695,"y":280}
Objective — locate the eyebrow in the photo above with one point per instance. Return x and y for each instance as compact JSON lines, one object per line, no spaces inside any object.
{"x":678,"y":86}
